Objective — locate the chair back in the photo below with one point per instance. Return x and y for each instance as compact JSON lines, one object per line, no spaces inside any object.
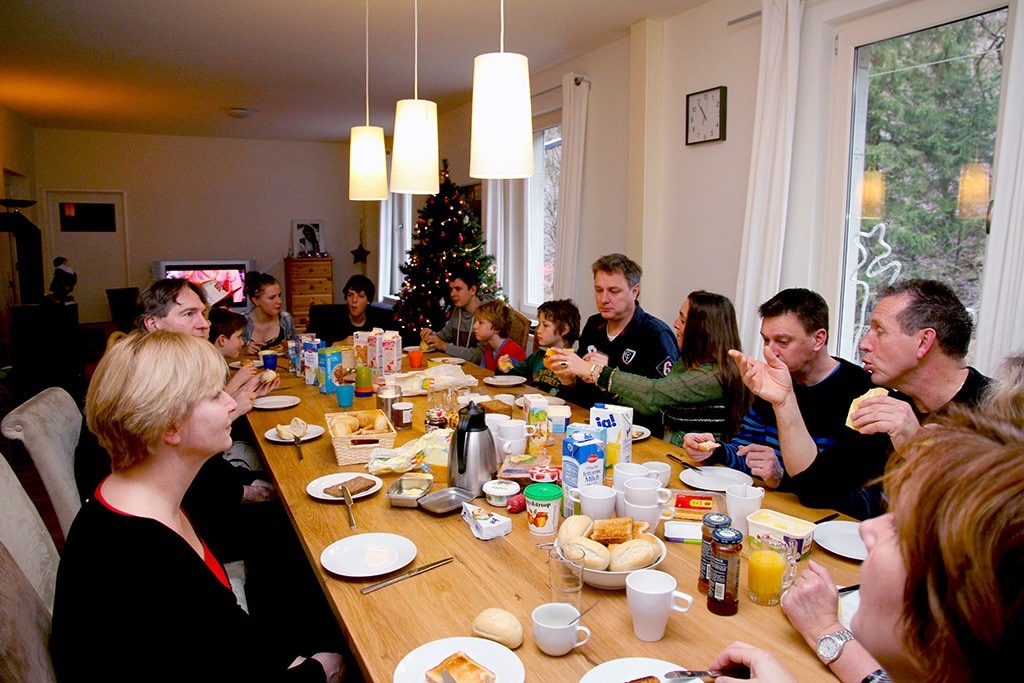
{"x":325,"y":321}
{"x":124,"y":308}
{"x":49,"y":425}
{"x":520,"y":332}
{"x":24,"y":627}
{"x":23,"y":532}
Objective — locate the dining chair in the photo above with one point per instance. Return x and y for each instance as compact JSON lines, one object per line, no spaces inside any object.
{"x":25,"y":535}
{"x":49,"y":425}
{"x":520,"y":332}
{"x":123,"y":306}
{"x":24,"y":627}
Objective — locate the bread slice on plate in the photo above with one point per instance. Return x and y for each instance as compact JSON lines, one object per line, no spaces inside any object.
{"x":355,"y":485}
{"x":462,"y":668}
{"x":614,"y":530}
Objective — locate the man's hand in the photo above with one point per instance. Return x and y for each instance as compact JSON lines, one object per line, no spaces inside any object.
{"x":258,"y":491}
{"x":763,"y":463}
{"x":596,"y":358}
{"x":691,"y":441}
{"x":812,"y":603}
{"x":763,"y":666}
{"x":431,"y":338}
{"x":770,"y":380}
{"x":884,"y":414}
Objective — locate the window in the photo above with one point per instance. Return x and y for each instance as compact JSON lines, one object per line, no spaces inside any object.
{"x":395,"y":242}
{"x":925,"y":106}
{"x":539,"y":257}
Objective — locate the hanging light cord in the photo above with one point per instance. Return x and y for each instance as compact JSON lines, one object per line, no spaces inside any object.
{"x":416,"y":51}
{"x":366,"y":42}
{"x":501,"y":39}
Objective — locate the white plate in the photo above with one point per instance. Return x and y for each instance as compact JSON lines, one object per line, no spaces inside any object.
{"x":407,"y":349}
{"x":849,"y":603}
{"x":640,"y":432}
{"x":841,"y":538}
{"x":628,"y":668}
{"x":447,"y":360}
{"x":499,"y":659}
{"x":713,"y":478}
{"x":316,"y":487}
{"x":312,"y":432}
{"x":275,"y":402}
{"x":552,"y":400}
{"x":505,"y":380}
{"x":368,"y":555}
{"x":234,"y":365}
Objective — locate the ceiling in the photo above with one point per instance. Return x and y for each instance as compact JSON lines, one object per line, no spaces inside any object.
{"x":175,"y":68}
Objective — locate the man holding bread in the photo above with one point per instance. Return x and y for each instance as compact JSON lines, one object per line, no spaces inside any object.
{"x":916,"y":345}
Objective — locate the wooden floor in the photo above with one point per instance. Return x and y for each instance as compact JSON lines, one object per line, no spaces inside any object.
{"x":26,"y":472}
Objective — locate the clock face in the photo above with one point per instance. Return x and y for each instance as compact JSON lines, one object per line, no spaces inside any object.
{"x":705,"y":116}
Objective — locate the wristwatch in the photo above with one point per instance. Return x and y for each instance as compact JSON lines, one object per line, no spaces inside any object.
{"x":830,"y":645}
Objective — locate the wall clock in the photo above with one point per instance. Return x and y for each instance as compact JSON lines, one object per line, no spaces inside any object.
{"x":705,"y":115}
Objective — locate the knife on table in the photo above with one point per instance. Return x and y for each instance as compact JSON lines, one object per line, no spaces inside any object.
{"x":348,"y":506}
{"x":298,"y":445}
{"x":401,"y":577}
{"x":682,"y":462}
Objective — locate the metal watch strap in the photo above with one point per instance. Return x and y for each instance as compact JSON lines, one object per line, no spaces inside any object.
{"x":837,"y":640}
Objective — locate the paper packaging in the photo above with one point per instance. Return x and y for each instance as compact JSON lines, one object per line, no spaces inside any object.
{"x":485,"y":525}
{"x":309,"y":360}
{"x":517,"y":467}
{"x":390,"y":352}
{"x":559,"y":416}
{"x":330,"y":370}
{"x":582,"y":463}
{"x":361,"y":347}
{"x":535,"y":410}
{"x":373,"y":347}
{"x":618,"y":420}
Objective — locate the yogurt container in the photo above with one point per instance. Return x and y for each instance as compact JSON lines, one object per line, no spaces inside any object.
{"x":543,"y":502}
{"x":498,"y":491}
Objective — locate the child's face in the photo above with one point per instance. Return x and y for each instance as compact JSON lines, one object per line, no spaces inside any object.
{"x":231,"y":347}
{"x":483,"y":329}
{"x":547,"y":333}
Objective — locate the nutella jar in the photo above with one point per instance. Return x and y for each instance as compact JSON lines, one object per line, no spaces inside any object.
{"x":401,"y":415}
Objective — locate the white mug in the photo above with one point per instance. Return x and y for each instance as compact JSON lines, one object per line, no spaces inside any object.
{"x":652,"y":514}
{"x":492,"y":420}
{"x":742,"y":500}
{"x":625,"y":471}
{"x":511,"y":446}
{"x":646,"y":492}
{"x":662,"y":469}
{"x":652,"y":596}
{"x":554,"y":631}
{"x":596,"y":501}
{"x":515,"y":429}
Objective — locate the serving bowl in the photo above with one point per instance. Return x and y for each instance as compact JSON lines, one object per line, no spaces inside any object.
{"x":612,"y":581}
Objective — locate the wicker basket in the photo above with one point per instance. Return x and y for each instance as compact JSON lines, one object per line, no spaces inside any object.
{"x":354,"y":449}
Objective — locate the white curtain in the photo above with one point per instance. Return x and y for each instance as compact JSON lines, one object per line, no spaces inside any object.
{"x":1001,"y":321}
{"x":575,"y":95}
{"x":505,"y":208}
{"x":764,"y":226}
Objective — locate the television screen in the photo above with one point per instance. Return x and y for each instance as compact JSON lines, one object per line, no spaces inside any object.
{"x":220,"y":280}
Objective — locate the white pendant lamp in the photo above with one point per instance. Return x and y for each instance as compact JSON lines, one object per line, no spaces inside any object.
{"x":502,"y":129}
{"x":367,"y":163}
{"x":414,"y":167}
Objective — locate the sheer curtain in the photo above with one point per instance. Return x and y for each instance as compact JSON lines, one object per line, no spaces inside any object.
{"x":1001,"y":321}
{"x":764,"y":226}
{"x":575,"y":96}
{"x":505,"y":207}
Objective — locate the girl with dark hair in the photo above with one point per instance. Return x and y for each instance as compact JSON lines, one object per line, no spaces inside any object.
{"x":266,"y":324}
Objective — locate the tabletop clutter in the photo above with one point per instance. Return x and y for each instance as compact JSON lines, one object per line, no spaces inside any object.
{"x":596,"y":510}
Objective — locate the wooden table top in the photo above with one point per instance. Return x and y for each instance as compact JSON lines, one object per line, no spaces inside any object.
{"x":508,"y":572}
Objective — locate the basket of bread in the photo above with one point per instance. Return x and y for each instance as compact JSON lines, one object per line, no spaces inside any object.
{"x":355,"y":434}
{"x":612,"y":548}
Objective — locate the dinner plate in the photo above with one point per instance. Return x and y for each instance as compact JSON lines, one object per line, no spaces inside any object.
{"x":552,"y":400}
{"x":504,"y":663}
{"x":407,"y":349}
{"x":316,"y":487}
{"x":841,"y":538}
{"x":447,"y":360}
{"x":235,"y":365}
{"x":312,"y":432}
{"x":714,"y":478}
{"x":368,"y":555}
{"x":628,"y":668}
{"x":275,"y":402}
{"x":504,"y":380}
{"x":640,"y":432}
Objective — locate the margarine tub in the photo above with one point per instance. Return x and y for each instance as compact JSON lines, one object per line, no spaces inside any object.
{"x":783,"y":528}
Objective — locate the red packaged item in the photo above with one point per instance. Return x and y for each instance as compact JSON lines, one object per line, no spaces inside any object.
{"x":516,"y":503}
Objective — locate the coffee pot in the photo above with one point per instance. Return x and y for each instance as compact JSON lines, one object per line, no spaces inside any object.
{"x":472,"y":460}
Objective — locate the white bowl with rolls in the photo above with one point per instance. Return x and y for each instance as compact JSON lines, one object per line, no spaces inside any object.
{"x":610,"y":555}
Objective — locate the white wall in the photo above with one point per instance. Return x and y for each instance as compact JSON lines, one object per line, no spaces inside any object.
{"x":203,"y":198}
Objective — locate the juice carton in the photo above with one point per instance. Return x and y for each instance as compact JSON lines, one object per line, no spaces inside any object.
{"x":535,"y":410}
{"x":330,"y":369}
{"x":582,"y":463}
{"x":373,"y":348}
{"x":361,"y":347}
{"x":618,"y":420}
{"x":391,"y":352}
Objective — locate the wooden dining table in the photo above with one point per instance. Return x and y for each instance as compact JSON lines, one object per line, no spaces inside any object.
{"x":509,"y":572}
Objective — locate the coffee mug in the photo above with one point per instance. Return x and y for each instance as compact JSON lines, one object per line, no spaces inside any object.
{"x":492,"y":420}
{"x":662,"y":469}
{"x":554,"y":631}
{"x":515,"y":429}
{"x":652,"y":596}
{"x":652,"y":514}
{"x":742,"y":500}
{"x":625,"y":471}
{"x":596,"y":501}
{"x":646,"y":492}
{"x":511,"y":446}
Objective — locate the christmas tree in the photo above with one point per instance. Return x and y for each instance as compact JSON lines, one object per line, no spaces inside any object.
{"x":446,"y":239}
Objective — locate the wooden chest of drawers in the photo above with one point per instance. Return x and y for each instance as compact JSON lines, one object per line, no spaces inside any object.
{"x":307,"y":281}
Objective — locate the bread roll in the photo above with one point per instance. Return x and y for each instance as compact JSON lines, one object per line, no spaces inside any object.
{"x":380,"y":423}
{"x":499,"y":625}
{"x":267,"y":376}
{"x":342,"y":425}
{"x":595,"y":555}
{"x":655,"y":545}
{"x":366,"y":418}
{"x":877,"y":391}
{"x":298,"y":426}
{"x":573,"y":527}
{"x":633,"y":554}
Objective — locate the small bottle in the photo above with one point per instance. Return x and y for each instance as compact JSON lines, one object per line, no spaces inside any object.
{"x":724,"y":588}
{"x":712,"y":521}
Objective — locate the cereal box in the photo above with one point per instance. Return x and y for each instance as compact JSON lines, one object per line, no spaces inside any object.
{"x":618,"y":421}
{"x":330,"y":369}
{"x":361,"y":347}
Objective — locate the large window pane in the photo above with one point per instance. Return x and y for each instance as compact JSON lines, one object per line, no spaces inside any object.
{"x":540,"y":238}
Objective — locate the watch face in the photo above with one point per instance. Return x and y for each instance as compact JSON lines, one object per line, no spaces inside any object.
{"x":828,"y":648}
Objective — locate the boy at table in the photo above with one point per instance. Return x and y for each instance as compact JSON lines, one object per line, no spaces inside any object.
{"x":558,"y":327}
{"x":491,"y":325}
{"x":226,"y":329}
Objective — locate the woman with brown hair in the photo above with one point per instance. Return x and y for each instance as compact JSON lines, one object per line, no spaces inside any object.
{"x":266,"y":325}
{"x":704,"y":391}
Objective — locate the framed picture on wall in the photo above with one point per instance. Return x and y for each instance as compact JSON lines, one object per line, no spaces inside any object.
{"x":308,"y":238}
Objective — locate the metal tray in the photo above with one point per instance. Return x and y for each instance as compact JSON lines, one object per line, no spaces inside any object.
{"x":408,"y":489}
{"x":446,"y":500}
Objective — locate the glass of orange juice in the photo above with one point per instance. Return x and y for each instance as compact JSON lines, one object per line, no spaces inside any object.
{"x":770,"y":569}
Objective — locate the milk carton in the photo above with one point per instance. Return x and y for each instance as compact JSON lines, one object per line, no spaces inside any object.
{"x":535,"y":410}
{"x":361,"y":347}
{"x":373,"y":348}
{"x":582,"y":462}
{"x":391,"y":352}
{"x":559,"y":417}
{"x":618,"y":421}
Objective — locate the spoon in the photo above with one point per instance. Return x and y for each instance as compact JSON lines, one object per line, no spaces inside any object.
{"x":584,"y":612}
